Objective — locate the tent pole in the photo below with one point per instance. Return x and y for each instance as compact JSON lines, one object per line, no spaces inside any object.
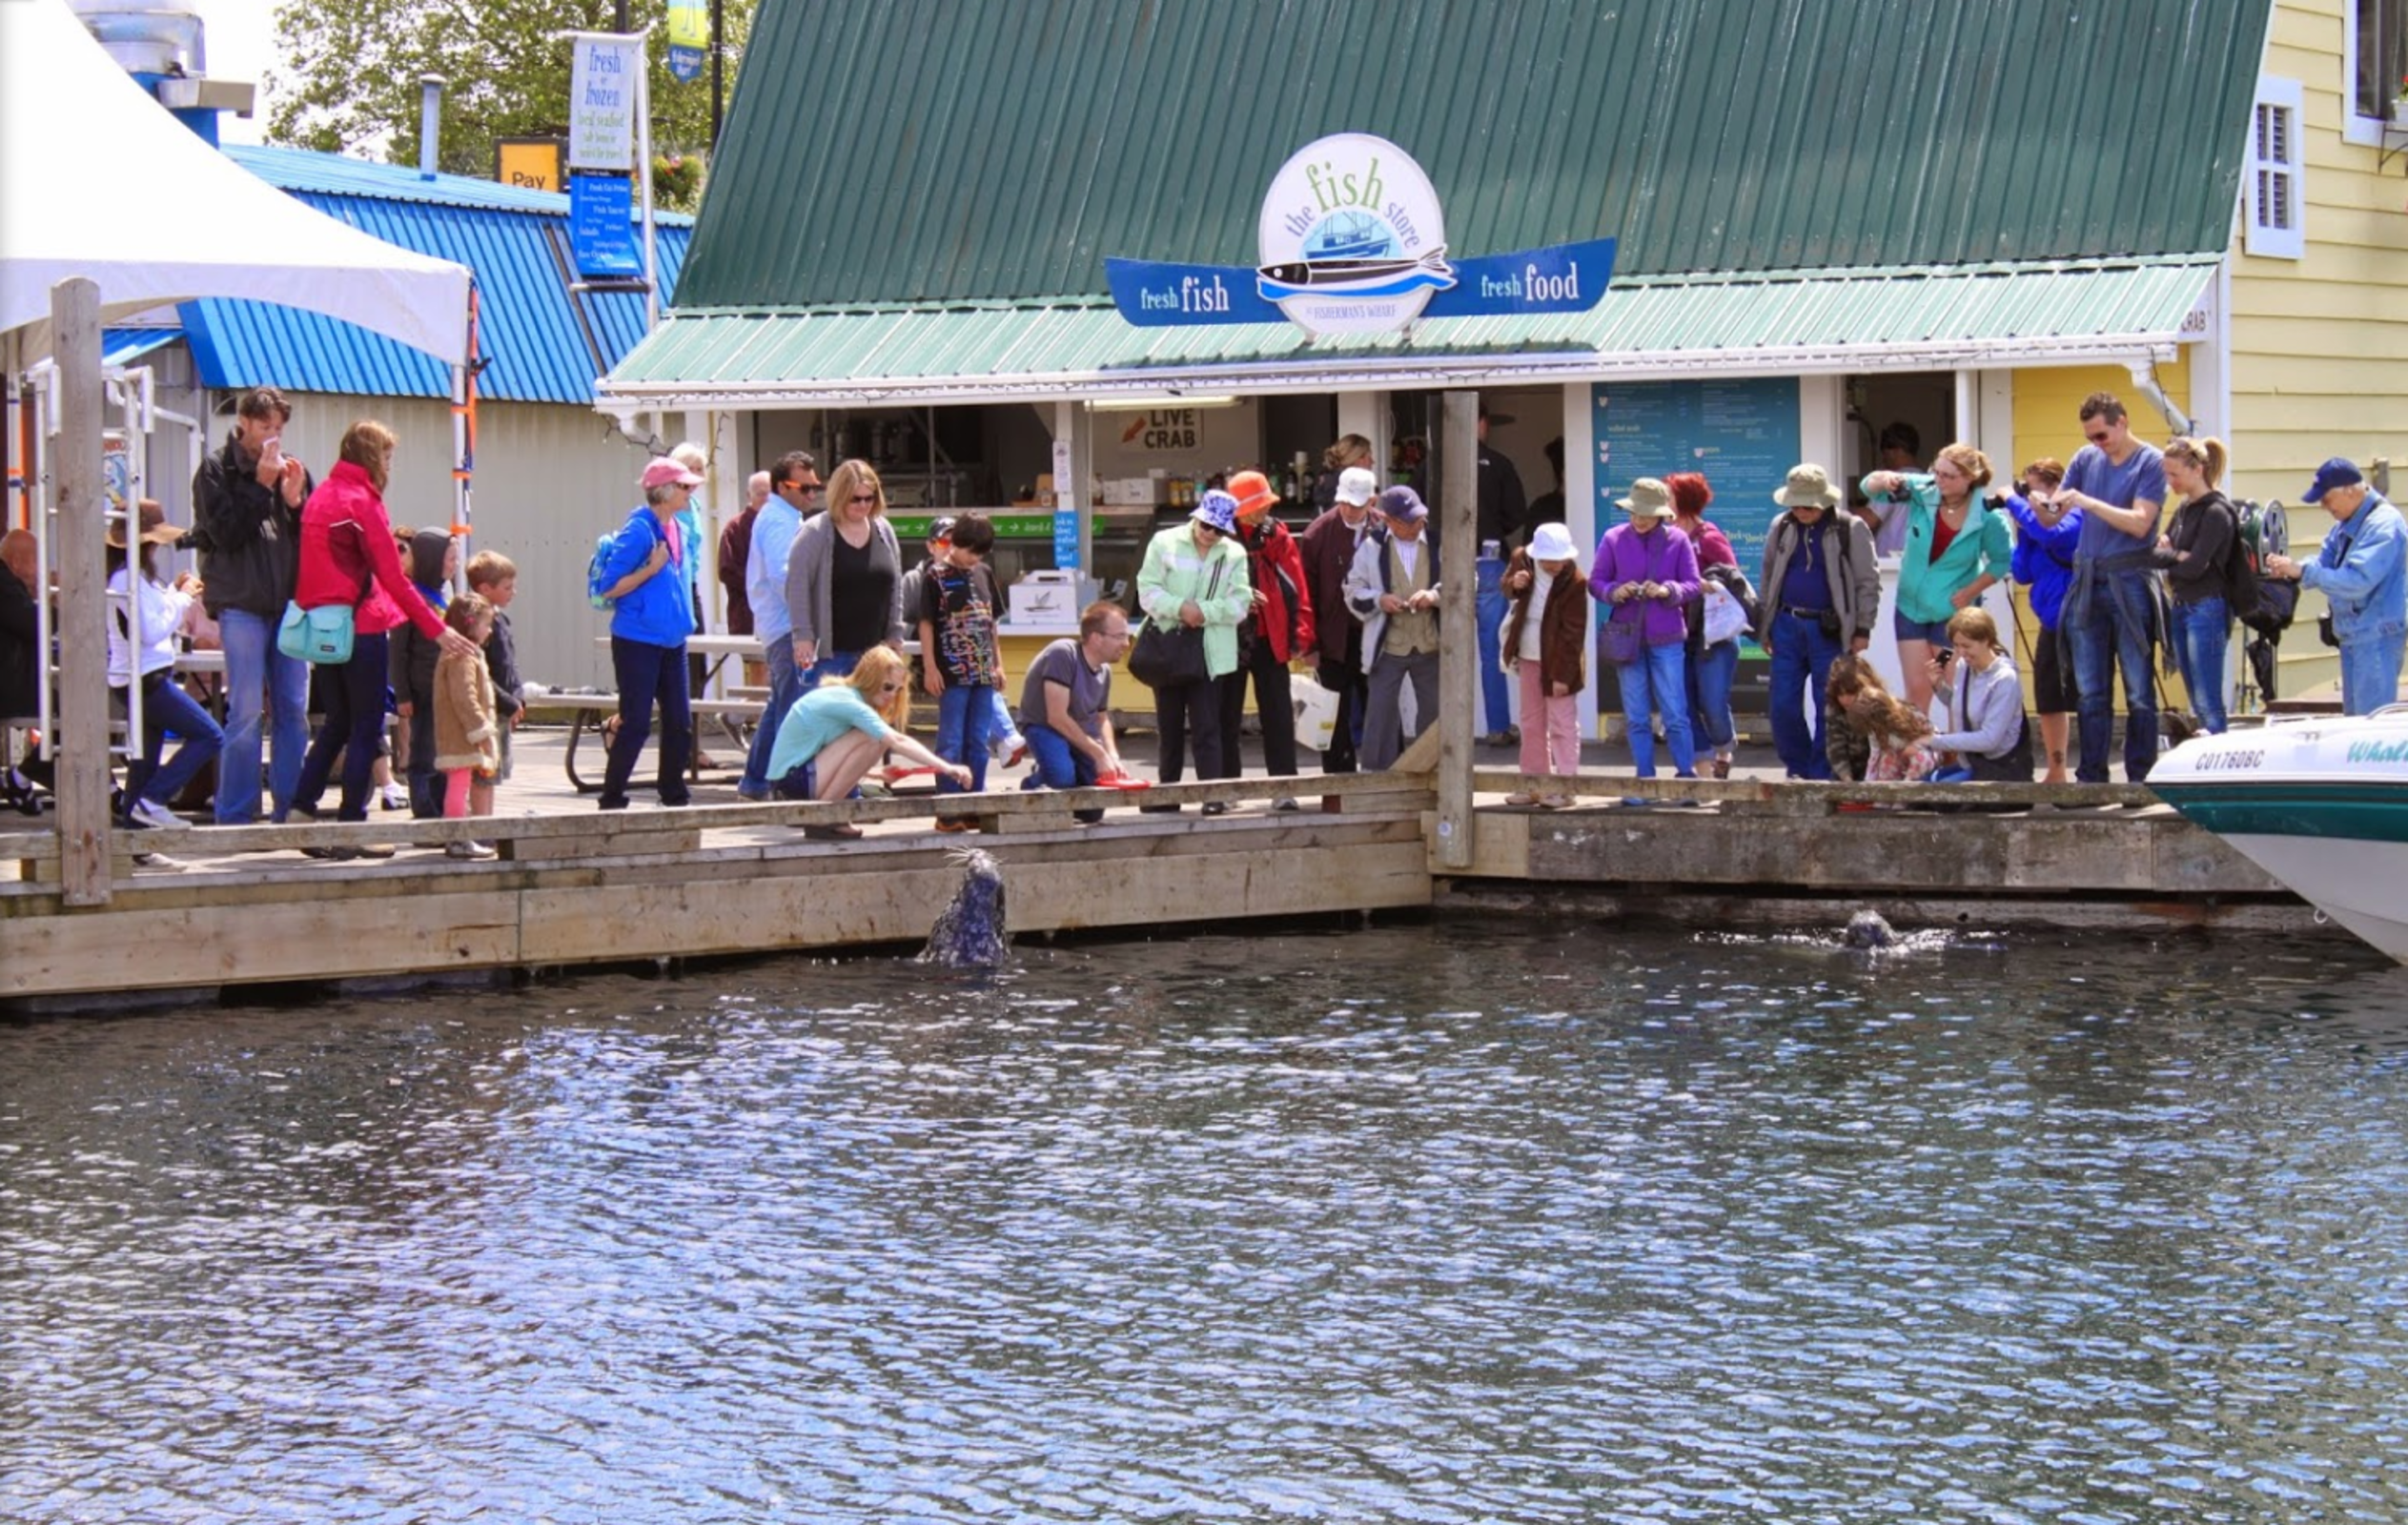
{"x":83,"y":677}
{"x":644,"y":168}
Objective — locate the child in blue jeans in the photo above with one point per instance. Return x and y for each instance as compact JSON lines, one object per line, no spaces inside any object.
{"x":960,"y":666}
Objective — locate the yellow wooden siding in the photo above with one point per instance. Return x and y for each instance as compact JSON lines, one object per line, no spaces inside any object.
{"x":2318,"y":343}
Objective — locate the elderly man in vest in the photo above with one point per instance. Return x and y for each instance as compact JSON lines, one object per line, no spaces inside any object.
{"x":1393,"y":588}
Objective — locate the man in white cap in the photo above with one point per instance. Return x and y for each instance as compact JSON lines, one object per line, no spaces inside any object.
{"x":1328,"y":545}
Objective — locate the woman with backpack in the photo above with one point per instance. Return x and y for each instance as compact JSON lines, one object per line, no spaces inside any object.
{"x":651,"y":613}
{"x":2198,"y":550}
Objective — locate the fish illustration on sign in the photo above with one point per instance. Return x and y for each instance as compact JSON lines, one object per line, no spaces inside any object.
{"x":1355,"y":277}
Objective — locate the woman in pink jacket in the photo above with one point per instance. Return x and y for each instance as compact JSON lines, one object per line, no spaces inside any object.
{"x":348,"y":556}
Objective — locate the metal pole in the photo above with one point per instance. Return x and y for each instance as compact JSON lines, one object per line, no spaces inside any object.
{"x":719,"y":93}
{"x":83,"y":675}
{"x":644,"y":168}
{"x":1458,"y":624}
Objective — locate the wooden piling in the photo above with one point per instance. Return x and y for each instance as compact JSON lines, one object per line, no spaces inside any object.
{"x":83,"y":661}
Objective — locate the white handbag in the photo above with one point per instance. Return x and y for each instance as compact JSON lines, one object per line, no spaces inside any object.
{"x":1724,"y":618}
{"x":1315,"y":712}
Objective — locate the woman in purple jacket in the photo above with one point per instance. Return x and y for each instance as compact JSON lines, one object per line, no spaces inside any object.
{"x":1647,"y":575}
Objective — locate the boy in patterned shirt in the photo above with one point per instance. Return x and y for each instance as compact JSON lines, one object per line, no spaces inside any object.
{"x":960,"y":664}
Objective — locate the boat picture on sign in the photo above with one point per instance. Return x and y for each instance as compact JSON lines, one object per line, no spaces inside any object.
{"x":1351,"y":239}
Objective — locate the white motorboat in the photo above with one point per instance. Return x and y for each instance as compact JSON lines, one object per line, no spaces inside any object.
{"x":2320,"y":803}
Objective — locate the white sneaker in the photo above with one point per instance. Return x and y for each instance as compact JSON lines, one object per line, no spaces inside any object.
{"x":394,"y":797}
{"x":152,"y":813}
{"x":157,"y":860}
{"x":467,"y":849}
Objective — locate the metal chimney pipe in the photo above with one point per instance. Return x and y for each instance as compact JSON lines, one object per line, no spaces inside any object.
{"x":430,"y":123}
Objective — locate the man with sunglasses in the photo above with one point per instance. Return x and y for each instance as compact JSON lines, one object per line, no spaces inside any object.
{"x":794,"y":496}
{"x":2111,"y":609}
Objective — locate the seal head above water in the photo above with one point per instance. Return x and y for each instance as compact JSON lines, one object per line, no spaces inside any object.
{"x":1867,"y":929}
{"x":970,"y":933}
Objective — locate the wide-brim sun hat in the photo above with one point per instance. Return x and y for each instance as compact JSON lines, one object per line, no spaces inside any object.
{"x":1649,"y":499}
{"x":1551,"y":542}
{"x":156,"y":529}
{"x":1216,"y":509}
{"x":1252,"y":491}
{"x":1808,"y":486}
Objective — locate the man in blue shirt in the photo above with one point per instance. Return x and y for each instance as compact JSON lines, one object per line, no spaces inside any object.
{"x":2110,"y":610}
{"x":2360,"y":573}
{"x":794,"y":496}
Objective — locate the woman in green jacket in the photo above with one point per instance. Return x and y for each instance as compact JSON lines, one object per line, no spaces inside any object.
{"x":1957,"y":545}
{"x":1195,"y":575}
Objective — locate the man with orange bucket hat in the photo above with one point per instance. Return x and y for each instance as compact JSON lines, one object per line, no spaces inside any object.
{"x":1277,"y":631}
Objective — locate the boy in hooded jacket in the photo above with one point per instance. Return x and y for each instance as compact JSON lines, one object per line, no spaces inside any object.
{"x":433,"y":559}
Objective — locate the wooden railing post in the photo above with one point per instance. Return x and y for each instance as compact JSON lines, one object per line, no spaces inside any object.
{"x":83,"y":646}
{"x":1458,"y":511}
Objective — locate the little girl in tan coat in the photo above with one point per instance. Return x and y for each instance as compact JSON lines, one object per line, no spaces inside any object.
{"x":467,"y":732}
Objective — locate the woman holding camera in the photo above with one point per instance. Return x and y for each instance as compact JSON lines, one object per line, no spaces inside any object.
{"x":1983,"y":700}
{"x":1957,"y":545}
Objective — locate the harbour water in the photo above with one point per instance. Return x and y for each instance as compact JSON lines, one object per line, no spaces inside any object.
{"x":1446,"y":1223}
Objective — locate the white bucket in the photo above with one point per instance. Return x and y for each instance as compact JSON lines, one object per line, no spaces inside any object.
{"x":1315,"y":712}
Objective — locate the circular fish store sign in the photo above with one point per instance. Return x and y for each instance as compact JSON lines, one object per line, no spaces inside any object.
{"x":1352,"y":239}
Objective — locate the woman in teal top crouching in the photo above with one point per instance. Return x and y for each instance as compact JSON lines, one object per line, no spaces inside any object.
{"x":836,"y":732}
{"x":1957,"y":545}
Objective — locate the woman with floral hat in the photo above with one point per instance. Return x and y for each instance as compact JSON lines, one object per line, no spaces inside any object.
{"x":1194,"y":577}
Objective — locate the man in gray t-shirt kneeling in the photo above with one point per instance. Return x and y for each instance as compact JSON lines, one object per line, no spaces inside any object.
{"x":1065,"y":705}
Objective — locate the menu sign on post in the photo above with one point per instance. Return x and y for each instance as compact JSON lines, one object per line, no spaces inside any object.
{"x":1741,"y":432}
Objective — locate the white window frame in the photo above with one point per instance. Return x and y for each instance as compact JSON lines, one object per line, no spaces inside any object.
{"x":2367,"y":132}
{"x":2284,"y":96}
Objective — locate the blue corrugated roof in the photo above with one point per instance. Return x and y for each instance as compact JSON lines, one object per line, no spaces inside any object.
{"x":123,"y":346}
{"x":516,"y":241}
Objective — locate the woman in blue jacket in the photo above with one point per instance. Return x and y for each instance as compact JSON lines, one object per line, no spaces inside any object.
{"x":651,"y":616}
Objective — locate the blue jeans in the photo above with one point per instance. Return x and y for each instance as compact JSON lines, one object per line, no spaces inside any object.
{"x":1802,"y":657}
{"x":648,"y":674}
{"x":1494,"y":693}
{"x":166,"y":707}
{"x":262,"y":683}
{"x":2370,"y":671}
{"x":354,"y":695}
{"x":786,"y":686}
{"x":2112,"y":629}
{"x":831,"y":664}
{"x":963,"y":714}
{"x":1058,"y":766}
{"x":2201,"y":631}
{"x":1710,"y":695}
{"x":1655,"y":685}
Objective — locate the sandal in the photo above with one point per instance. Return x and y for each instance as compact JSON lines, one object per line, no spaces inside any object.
{"x":1522,"y":801}
{"x":1558,"y":801}
{"x":1721,"y":768}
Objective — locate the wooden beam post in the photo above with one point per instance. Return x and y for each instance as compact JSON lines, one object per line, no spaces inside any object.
{"x":1458,"y":512}
{"x":83,"y":661}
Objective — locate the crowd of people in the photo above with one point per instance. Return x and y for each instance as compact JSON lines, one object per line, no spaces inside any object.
{"x":322,"y":607}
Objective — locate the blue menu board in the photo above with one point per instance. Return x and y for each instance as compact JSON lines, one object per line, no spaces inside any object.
{"x":1742,"y":433}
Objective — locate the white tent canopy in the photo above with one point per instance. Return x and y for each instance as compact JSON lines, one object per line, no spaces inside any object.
{"x":99,"y":180}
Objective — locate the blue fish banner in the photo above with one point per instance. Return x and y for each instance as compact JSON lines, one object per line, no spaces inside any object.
{"x":600,"y":232}
{"x":1154,"y":294}
{"x":1559,"y":278}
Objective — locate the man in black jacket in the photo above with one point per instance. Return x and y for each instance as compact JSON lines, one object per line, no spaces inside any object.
{"x":247,"y":502}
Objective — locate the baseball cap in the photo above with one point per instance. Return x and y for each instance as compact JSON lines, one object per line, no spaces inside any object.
{"x":1402,"y":503}
{"x":2338,"y":472}
{"x":666,"y":472}
{"x":1357,"y":485}
{"x":941,"y":529}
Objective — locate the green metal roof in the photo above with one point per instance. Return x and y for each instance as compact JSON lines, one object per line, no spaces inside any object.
{"x":1941,"y":316}
{"x":975,"y":150}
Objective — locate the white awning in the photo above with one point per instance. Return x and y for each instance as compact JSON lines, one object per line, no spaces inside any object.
{"x":100,"y":181}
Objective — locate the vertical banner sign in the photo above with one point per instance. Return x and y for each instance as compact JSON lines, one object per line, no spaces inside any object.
{"x":600,"y":231}
{"x":602,"y":111}
{"x":689,"y":37}
{"x":1066,"y":511}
